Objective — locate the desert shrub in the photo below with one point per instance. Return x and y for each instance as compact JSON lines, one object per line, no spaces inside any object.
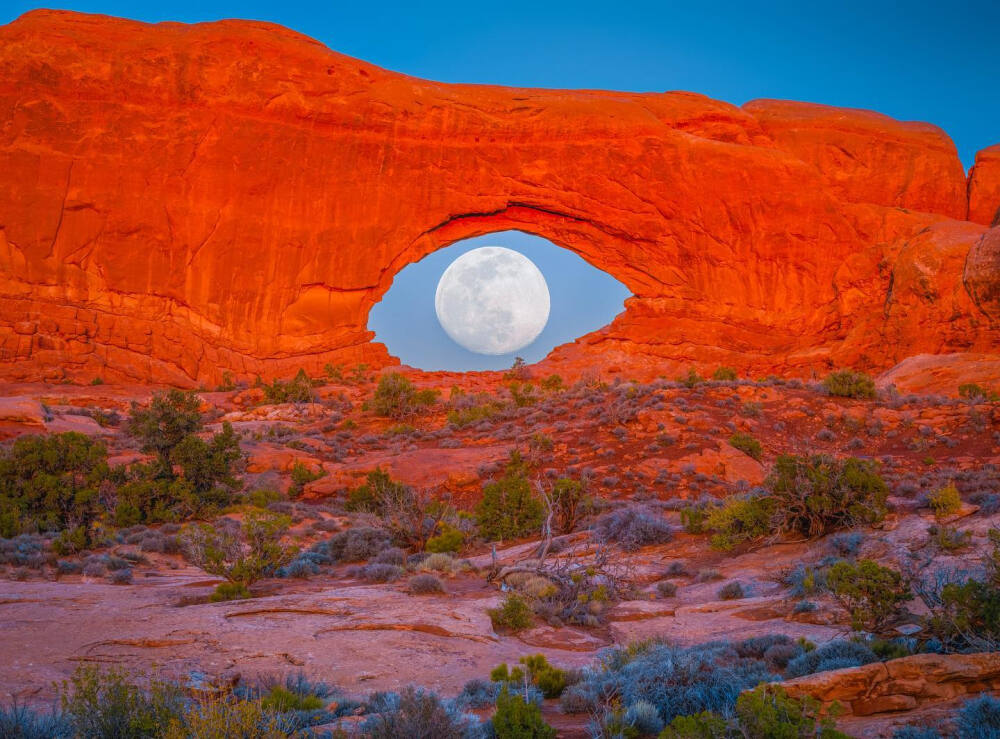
{"x":369,"y":496}
{"x":691,"y":379}
{"x":848,"y":384}
{"x":390,"y":556}
{"x":704,"y":725}
{"x":297,"y":390}
{"x":537,"y":671}
{"x":768,"y":711}
{"x":873,"y":595}
{"x":121,"y":577}
{"x":509,"y":509}
{"x":281,"y":699}
{"x":747,"y":444}
{"x":724,"y":374}
{"x":354,"y":545}
{"x":847,"y":544}
{"x":834,"y":655}
{"x":730,"y":591}
{"x":171,"y":417}
{"x":18,"y":721}
{"x":513,"y":614}
{"x":229,"y":591}
{"x":381,"y":572}
{"x":439,"y":562}
{"x":569,"y":499}
{"x":643,"y":717}
{"x":224,"y":717}
{"x":666,"y":589}
{"x":190,"y":476}
{"x":425,"y":584}
{"x":52,"y":483}
{"x":968,"y":614}
{"x":632,"y":527}
{"x":517,"y":719}
{"x":419,"y":714}
{"x":693,"y":518}
{"x":816,"y":495}
{"x":740,"y":520}
{"x":112,"y":705}
{"x":478,"y":693}
{"x":945,"y":501}
{"x":410,"y":516}
{"x":979,"y":718}
{"x":302,"y":476}
{"x":805,"y":580}
{"x":396,"y":397}
{"x":451,"y":539}
{"x":977,"y":393}
{"x":677,"y":680}
{"x":244,"y":554}
{"x":948,"y":538}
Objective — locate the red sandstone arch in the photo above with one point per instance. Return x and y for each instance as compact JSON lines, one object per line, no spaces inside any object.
{"x":178,"y":201}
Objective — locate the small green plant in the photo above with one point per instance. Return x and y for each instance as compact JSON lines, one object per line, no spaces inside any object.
{"x":977,"y":393}
{"x":97,"y":380}
{"x":537,"y":671}
{"x":945,"y":501}
{"x":724,"y":374}
{"x":397,"y":397}
{"x":873,"y":595}
{"x":747,"y":444}
{"x":302,"y":476}
{"x":731,"y":591}
{"x":693,"y":518}
{"x":552,"y":383}
{"x":509,"y":509}
{"x":229,"y":591}
{"x":516,"y":718}
{"x":451,"y":539}
{"x":518,"y":370}
{"x":297,"y":390}
{"x":691,"y":379}
{"x":949,"y":539}
{"x":739,"y":521}
{"x":768,"y":711}
{"x":282,"y":700}
{"x":513,"y":614}
{"x":334,"y":372}
{"x":849,"y":384}
{"x":112,"y":703}
{"x":569,"y":501}
{"x":244,"y":555}
{"x":704,"y":725}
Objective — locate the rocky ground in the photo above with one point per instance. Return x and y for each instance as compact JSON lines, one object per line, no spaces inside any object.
{"x":658,"y":443}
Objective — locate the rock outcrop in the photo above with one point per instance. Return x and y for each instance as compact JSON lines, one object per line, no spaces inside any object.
{"x":984,"y":187}
{"x":180,"y":201}
{"x":901,"y":684}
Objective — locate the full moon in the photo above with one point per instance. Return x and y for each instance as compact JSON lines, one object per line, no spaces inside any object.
{"x":492,"y":300}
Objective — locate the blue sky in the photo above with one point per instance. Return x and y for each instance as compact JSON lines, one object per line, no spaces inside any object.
{"x":582,"y":299}
{"x":928,"y":61}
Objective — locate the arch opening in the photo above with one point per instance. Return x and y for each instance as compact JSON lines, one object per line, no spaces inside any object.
{"x":582,"y":299}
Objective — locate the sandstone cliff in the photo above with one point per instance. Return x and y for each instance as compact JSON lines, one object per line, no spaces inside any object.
{"x":177,"y":201}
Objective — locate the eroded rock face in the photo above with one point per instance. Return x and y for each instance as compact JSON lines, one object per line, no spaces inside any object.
{"x":982,"y":275}
{"x":178,"y":201}
{"x":901,"y":684}
{"x":984,"y":187}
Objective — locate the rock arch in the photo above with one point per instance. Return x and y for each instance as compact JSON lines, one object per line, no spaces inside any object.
{"x":178,"y":201}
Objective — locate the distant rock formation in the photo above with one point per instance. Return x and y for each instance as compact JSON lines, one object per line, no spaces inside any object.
{"x":179,"y":201}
